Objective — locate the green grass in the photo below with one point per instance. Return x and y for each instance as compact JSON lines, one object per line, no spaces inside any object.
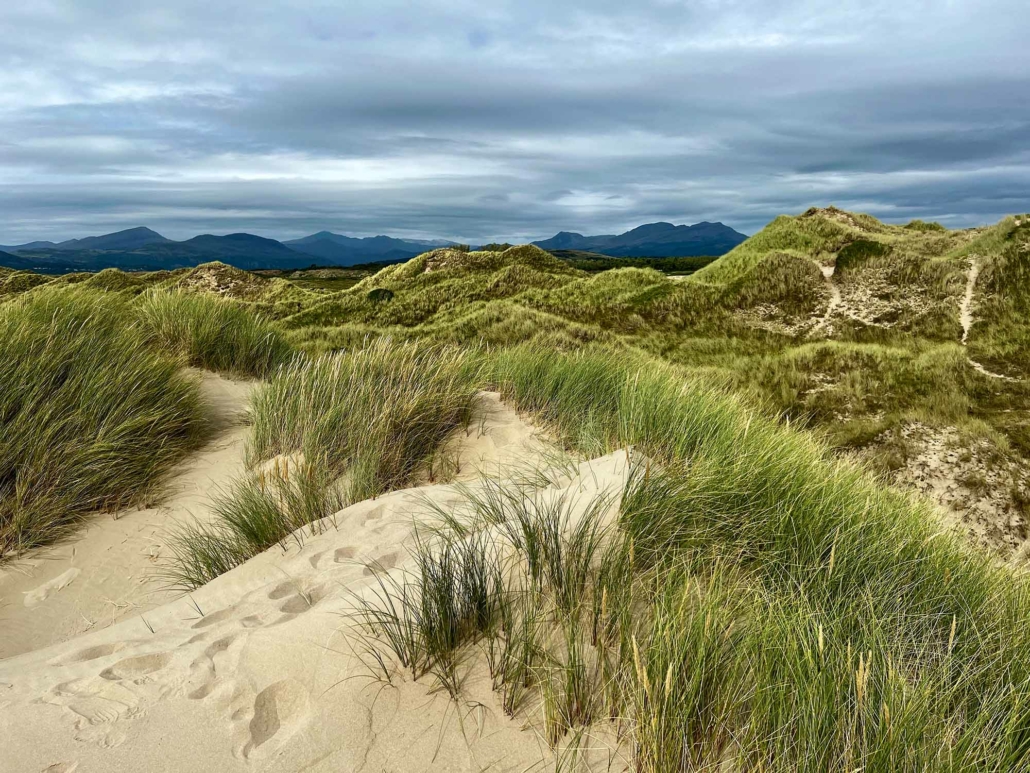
{"x":90,"y":417}
{"x":756,"y":602}
{"x":1000,"y":336}
{"x":256,"y":513}
{"x":378,"y":412}
{"x":355,"y":424}
{"x":213,"y":333}
{"x":762,"y":605}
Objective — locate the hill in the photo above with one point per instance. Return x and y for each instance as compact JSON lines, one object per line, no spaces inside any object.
{"x":142,"y":252}
{"x":14,"y":262}
{"x":656,"y":240}
{"x":339,"y":250}
{"x":142,"y":249}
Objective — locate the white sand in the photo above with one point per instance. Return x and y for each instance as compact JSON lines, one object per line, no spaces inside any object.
{"x":258,"y":670}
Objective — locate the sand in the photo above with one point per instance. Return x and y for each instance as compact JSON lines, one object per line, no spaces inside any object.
{"x":979,"y":490}
{"x":110,"y":570}
{"x":835,"y":297}
{"x":261,"y":669}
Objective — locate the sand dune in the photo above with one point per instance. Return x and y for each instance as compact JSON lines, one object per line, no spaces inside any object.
{"x":261,"y":669}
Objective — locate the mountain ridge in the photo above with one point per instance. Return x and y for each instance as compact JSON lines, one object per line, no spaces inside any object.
{"x":142,"y":248}
{"x":655,"y":240}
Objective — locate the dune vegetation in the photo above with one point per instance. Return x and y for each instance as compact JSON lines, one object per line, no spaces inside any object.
{"x":90,"y":416}
{"x":328,"y":432}
{"x":764,"y":594}
{"x":214,"y":333}
{"x":756,"y":603}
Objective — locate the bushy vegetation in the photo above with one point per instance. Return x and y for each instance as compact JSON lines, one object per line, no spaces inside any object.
{"x":1000,"y":336}
{"x":594,"y":263}
{"x":90,"y":416}
{"x":753,"y":600}
{"x":257,"y":512}
{"x":213,"y":333}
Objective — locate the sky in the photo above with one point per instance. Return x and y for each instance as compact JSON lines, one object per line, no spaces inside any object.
{"x":478,"y":120}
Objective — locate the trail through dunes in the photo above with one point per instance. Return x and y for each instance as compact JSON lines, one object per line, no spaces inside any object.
{"x":262,"y":669}
{"x":835,"y":297}
{"x":107,"y":572}
{"x":966,"y":318}
{"x":966,"y":310}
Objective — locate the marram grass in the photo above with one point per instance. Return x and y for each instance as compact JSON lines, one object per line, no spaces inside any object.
{"x":377,"y":413}
{"x":90,"y":416}
{"x":356,"y":423}
{"x":213,"y":333}
{"x":761,"y":607}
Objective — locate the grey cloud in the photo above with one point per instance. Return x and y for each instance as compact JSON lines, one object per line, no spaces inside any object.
{"x":506,"y":120}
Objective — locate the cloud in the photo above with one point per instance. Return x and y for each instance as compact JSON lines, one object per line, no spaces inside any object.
{"x":513,"y":121}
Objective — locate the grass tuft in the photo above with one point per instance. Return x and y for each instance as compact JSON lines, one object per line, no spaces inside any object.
{"x":90,"y":417}
{"x":213,"y":333}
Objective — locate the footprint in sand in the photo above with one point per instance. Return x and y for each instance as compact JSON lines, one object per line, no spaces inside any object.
{"x":214,"y":617}
{"x":97,"y":708}
{"x":91,"y":653}
{"x":339,"y":556}
{"x":277,"y":713}
{"x":61,"y":767}
{"x":137,"y":667}
{"x":282,"y":590}
{"x":373,"y":515}
{"x":45,"y":590}
{"x":381,"y":563}
{"x":303,"y":601}
{"x":344,"y":554}
{"x":205,"y":668}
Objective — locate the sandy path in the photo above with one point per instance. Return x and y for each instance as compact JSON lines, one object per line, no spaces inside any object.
{"x":966,"y":318}
{"x":107,"y":573}
{"x":261,"y":669}
{"x":966,"y":309}
{"x":835,"y":297}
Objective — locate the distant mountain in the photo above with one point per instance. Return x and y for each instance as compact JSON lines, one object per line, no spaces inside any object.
{"x":340,"y":250}
{"x":130,"y":239}
{"x":240,"y":249}
{"x":29,"y":246}
{"x":144,"y":252}
{"x":654,"y":240}
{"x":142,"y":249}
{"x":13,"y":261}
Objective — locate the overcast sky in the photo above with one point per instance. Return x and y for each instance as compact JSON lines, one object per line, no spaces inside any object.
{"x":482,"y":119}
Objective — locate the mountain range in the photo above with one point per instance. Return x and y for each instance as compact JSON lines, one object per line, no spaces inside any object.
{"x":654,"y":240}
{"x":144,"y":249}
